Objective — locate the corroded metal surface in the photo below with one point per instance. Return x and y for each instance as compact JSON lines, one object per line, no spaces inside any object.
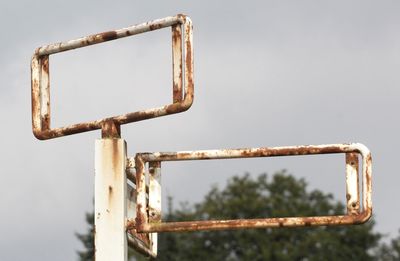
{"x":110,"y":200}
{"x":144,"y":243}
{"x":355,"y":214}
{"x":255,"y":223}
{"x":135,"y":242}
{"x":182,"y":98}
{"x":352,"y":184}
{"x":141,"y":242}
{"x":154,"y":193}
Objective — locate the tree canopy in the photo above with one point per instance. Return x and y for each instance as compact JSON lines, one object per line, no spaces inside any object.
{"x":281,"y":195}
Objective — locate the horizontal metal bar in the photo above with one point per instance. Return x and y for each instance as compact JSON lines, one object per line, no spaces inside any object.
{"x":109,"y":35}
{"x":185,"y":226}
{"x":249,"y":152}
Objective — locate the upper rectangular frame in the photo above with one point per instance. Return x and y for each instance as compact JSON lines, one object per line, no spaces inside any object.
{"x":182,"y":55}
{"x":354,"y":214}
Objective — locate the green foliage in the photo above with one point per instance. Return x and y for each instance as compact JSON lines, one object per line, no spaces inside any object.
{"x":87,"y":240}
{"x":390,"y":252}
{"x":282,"y":195}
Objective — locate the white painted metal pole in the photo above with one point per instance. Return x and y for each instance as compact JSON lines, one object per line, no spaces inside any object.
{"x":110,"y":200}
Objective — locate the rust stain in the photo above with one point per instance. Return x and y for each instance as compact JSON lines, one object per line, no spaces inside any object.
{"x":45,"y":63}
{"x":152,"y":171}
{"x":177,"y":93}
{"x":115,"y":152}
{"x":139,"y":218}
{"x":189,"y":61}
{"x":182,"y":17}
{"x":110,"y":130}
{"x":143,"y":237}
{"x":108,"y":36}
{"x":155,"y":26}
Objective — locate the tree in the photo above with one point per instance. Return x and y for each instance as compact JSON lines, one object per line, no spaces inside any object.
{"x":390,"y":252}
{"x":281,"y":196}
{"x":87,"y":240}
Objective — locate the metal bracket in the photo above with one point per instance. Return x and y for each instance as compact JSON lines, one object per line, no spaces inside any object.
{"x":182,"y":55}
{"x":144,"y":222}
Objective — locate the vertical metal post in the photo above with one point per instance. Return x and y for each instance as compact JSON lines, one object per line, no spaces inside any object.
{"x":177,"y":63}
{"x":154,"y":199}
{"x":352,"y":185}
{"x":110,"y":199}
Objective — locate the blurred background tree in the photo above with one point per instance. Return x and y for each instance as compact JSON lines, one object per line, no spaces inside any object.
{"x":282,"y":195}
{"x":391,"y":251}
{"x":87,"y":240}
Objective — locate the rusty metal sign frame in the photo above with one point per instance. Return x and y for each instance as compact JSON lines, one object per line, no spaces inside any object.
{"x":356,"y":213}
{"x":129,"y":212}
{"x":182,"y":56}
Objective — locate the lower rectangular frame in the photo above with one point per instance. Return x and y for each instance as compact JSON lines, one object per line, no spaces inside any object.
{"x":356,"y":213}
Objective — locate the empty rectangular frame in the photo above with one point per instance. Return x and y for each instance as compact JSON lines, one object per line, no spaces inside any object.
{"x":182,"y":55}
{"x":356,"y":213}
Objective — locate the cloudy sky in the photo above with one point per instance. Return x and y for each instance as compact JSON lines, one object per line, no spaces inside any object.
{"x":267,"y":73}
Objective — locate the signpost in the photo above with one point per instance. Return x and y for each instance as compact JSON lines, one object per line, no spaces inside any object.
{"x":128,"y":190}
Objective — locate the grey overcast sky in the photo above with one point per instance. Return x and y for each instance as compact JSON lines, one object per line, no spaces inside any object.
{"x":267,"y":73}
